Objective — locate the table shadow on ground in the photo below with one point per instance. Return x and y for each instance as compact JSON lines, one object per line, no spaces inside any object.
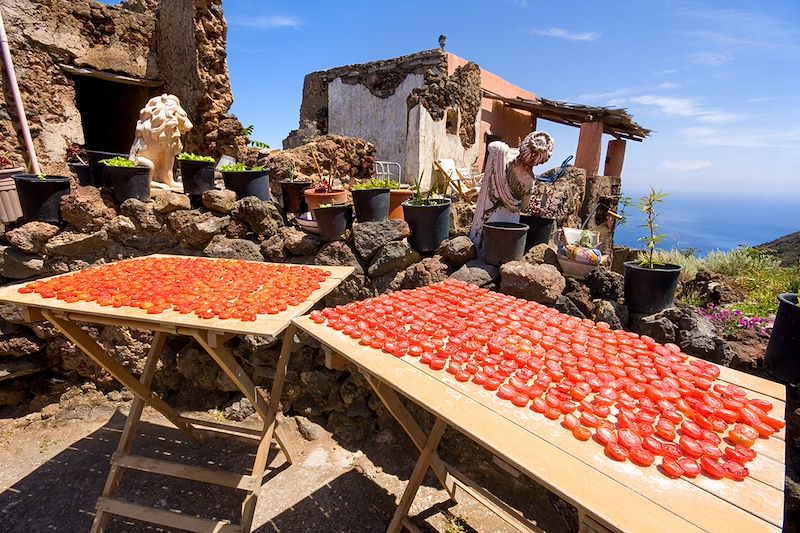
{"x":61,"y":494}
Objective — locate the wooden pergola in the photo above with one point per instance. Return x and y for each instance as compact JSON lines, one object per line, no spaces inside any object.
{"x":593,"y":123}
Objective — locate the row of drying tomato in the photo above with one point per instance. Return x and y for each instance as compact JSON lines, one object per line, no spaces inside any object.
{"x":221,"y":288}
{"x":637,"y":398}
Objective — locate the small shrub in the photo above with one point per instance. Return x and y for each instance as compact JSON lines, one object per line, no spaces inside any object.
{"x":740,"y":261}
{"x":691,"y":264}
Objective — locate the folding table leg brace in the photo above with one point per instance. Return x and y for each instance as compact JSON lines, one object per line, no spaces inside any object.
{"x":214,"y":344}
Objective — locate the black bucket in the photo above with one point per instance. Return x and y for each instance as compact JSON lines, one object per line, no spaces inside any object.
{"x":41,"y":199}
{"x":83,"y":173}
{"x":372,"y":205}
{"x":294,"y":200}
{"x":783,"y":351}
{"x":429,"y":224}
{"x":650,"y":290}
{"x":248,"y":183}
{"x":504,"y":242}
{"x":333,"y":221}
{"x":100,"y":177}
{"x":540,"y":232}
{"x":130,"y":182}
{"x":197,"y":176}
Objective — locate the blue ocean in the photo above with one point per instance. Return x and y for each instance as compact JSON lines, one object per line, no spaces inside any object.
{"x":706,"y":223}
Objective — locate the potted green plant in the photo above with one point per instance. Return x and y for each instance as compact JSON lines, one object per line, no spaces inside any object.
{"x":100,"y":178}
{"x":323,"y":192}
{"x":247,"y":181}
{"x":371,"y":199}
{"x":650,"y":285}
{"x":128,"y":179}
{"x":10,"y":210}
{"x":428,"y":217}
{"x":40,"y":195}
{"x":783,"y":351}
{"x":292,"y":191}
{"x":197,"y":173}
{"x":333,"y":220}
{"x":78,"y":162}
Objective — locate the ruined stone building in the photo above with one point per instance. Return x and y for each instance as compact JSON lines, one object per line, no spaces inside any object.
{"x":434,"y":104}
{"x":85,"y":69}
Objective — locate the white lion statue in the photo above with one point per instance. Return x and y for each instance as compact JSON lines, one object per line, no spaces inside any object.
{"x":158,"y":138}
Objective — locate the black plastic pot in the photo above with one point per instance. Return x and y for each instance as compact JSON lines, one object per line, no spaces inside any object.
{"x":504,"y":242}
{"x":650,"y":290}
{"x":783,"y":351}
{"x":333,"y":221}
{"x":294,"y":200}
{"x":98,"y":171}
{"x":130,"y":182}
{"x":372,"y":205}
{"x":83,"y":172}
{"x":197,"y":176}
{"x":248,"y":183}
{"x":540,"y":232}
{"x":41,"y":199}
{"x":429,"y":224}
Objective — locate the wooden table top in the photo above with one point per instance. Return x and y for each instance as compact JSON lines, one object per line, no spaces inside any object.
{"x":263,"y":325}
{"x":623,"y":495}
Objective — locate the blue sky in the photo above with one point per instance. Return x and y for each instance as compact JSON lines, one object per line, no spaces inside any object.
{"x":718,"y":81}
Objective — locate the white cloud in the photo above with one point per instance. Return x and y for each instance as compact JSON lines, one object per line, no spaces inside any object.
{"x":711,"y":59}
{"x":744,"y":31}
{"x":684,"y":165}
{"x":687,"y":107}
{"x":561,"y":33}
{"x":744,"y":138}
{"x":265,"y":23}
{"x":617,"y":96}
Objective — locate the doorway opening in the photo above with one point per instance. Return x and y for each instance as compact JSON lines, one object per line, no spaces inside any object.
{"x":109,"y":110}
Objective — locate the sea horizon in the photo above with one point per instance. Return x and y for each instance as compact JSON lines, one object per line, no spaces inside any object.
{"x":703,"y":222}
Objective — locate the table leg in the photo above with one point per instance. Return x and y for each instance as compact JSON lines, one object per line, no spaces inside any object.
{"x":416,"y":476}
{"x":395,"y":406}
{"x":234,"y":371}
{"x":74,"y":333}
{"x":249,"y":505}
{"x":129,"y":432}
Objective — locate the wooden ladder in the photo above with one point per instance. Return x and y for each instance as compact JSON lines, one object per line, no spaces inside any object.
{"x":123,"y":459}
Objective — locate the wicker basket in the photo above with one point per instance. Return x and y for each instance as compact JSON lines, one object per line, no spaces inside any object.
{"x":10,"y":210}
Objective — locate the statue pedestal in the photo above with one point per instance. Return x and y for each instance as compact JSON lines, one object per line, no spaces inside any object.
{"x":156,"y":191}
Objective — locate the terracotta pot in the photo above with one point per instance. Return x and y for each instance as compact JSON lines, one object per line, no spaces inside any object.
{"x":10,"y":209}
{"x":396,"y":199}
{"x":316,"y":199}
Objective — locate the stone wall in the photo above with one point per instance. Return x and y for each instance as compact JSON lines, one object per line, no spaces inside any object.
{"x":378,"y":102}
{"x":384,"y":121}
{"x":173,"y":45}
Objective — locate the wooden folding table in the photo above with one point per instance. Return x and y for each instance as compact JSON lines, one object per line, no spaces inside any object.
{"x":211,"y":334}
{"x":609,"y":496}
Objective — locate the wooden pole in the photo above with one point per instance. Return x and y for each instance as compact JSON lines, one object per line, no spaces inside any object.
{"x":615,"y":157}
{"x":13,"y":88}
{"x":587,"y":155}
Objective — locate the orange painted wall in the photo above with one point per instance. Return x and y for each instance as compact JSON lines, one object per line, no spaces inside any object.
{"x":497,"y":119}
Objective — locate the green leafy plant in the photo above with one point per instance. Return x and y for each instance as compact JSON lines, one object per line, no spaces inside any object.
{"x":118,"y":161}
{"x":293,"y":175}
{"x":647,"y":204}
{"x":186,"y":156}
{"x":374,"y":183}
{"x":239,"y":167}
{"x":41,"y":176}
{"x":247,"y":132}
{"x":418,"y":198}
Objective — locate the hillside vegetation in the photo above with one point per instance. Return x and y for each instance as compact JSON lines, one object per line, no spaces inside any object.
{"x":787,"y":248}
